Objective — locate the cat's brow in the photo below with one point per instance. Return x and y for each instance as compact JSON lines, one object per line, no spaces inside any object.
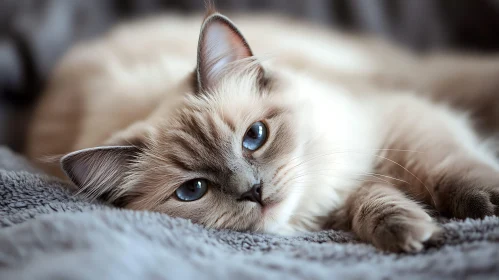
{"x":176,"y":160}
{"x":274,"y":112}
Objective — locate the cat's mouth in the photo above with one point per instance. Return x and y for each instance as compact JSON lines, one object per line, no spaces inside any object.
{"x":271,"y":203}
{"x":269,"y":206}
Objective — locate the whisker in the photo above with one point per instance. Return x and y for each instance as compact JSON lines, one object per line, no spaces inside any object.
{"x":348,"y":151}
{"x":378,"y":156}
{"x":359,"y":150}
{"x":342,"y":177}
{"x":416,"y":177}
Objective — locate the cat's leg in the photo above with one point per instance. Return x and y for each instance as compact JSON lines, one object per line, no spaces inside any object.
{"x":456,"y":183}
{"x":384,"y":216}
{"x":438,"y":159}
{"x":466,"y":188}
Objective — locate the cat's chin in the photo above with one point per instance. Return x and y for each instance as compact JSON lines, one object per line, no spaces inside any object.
{"x":284,"y":229}
{"x":276,"y":216}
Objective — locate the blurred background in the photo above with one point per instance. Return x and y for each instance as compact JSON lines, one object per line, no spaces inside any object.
{"x":35,"y":33}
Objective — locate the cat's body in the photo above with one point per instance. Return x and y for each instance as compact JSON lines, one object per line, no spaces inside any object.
{"x":357,"y":130}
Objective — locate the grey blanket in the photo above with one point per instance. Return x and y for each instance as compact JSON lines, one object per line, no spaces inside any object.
{"x":47,"y":233}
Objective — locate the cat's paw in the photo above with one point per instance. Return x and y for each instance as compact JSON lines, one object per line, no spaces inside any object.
{"x":476,"y":202}
{"x":474,"y":199}
{"x":405,"y":232}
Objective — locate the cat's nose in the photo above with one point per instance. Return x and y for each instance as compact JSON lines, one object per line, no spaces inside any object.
{"x":254,"y":194}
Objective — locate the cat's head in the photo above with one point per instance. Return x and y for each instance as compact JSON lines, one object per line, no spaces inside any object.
{"x":225,"y":159}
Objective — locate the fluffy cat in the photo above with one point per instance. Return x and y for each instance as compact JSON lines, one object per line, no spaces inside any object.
{"x":322,"y":131}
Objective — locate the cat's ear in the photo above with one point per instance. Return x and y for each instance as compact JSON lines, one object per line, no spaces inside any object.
{"x":100,"y":172}
{"x":220,"y":44}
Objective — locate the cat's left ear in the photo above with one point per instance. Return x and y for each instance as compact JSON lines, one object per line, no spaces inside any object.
{"x":100,"y":172}
{"x":220,"y":44}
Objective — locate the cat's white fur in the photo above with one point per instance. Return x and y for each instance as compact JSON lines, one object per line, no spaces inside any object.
{"x":340,"y":138}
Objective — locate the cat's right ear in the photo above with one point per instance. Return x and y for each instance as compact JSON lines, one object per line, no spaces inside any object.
{"x":220,"y":44}
{"x":100,"y":172}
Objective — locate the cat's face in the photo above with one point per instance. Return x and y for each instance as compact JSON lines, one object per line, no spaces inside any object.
{"x":222,"y":161}
{"x":226,"y":159}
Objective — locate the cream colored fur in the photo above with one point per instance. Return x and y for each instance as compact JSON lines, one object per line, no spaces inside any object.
{"x":365,"y":111}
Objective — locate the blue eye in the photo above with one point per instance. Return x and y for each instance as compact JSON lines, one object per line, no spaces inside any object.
{"x":192,"y":190}
{"x":255,"y":136}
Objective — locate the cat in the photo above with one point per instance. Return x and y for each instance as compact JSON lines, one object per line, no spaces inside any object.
{"x":320,"y":131}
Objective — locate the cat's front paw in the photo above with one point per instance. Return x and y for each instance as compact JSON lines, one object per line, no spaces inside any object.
{"x":476,"y":202}
{"x":473,"y":199}
{"x":405,"y":232}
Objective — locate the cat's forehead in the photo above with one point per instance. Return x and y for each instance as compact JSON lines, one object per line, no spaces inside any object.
{"x":206,"y":132}
{"x":201,"y":137}
{"x":226,"y":109}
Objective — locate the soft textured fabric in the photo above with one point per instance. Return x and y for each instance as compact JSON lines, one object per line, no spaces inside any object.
{"x":48,"y":233}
